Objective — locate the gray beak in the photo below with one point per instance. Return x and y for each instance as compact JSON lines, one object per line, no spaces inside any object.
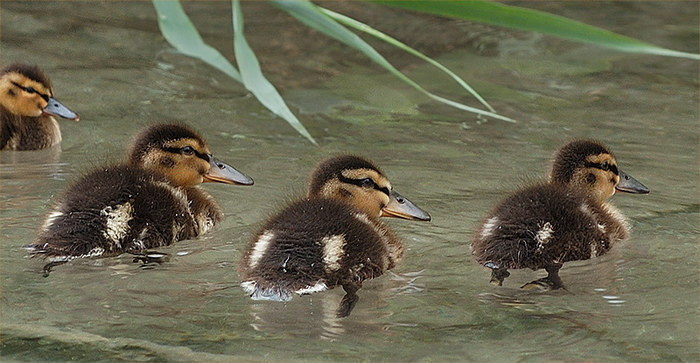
{"x":400,"y":207}
{"x":629,"y":184}
{"x":221,"y":172}
{"x":56,"y":108}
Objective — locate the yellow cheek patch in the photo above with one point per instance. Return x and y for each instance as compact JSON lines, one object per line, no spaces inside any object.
{"x":371,"y":203}
{"x":19,"y":101}
{"x":183,"y":176}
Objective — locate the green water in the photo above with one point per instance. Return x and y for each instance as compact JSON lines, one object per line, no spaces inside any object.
{"x":109,"y":63}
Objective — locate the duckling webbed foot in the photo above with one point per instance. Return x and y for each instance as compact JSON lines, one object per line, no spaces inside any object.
{"x":47,"y":268}
{"x":349,"y":300}
{"x":551,"y":282}
{"x":148,"y":258}
{"x":498,"y":273}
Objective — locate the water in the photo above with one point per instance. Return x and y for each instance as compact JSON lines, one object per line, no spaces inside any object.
{"x":108,"y":61}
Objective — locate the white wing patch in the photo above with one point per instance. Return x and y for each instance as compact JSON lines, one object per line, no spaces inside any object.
{"x":260,"y":248}
{"x":544,"y":235}
{"x":117,"y":222}
{"x":333,"y":251}
{"x":49,"y":220}
{"x":488,"y":228}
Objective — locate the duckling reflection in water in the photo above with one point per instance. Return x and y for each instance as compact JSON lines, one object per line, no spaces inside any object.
{"x":27,"y":109}
{"x":151,"y":200}
{"x":332,"y":237}
{"x":565,"y":219}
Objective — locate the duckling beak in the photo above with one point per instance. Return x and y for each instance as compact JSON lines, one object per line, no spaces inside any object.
{"x":630,"y":185}
{"x":221,"y":172}
{"x":400,"y":207}
{"x":56,"y":108}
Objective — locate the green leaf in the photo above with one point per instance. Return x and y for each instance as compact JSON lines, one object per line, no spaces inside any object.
{"x":179,"y":31}
{"x":253,"y":78}
{"x":527,"y":19}
{"x":312,"y":16}
{"x":395,"y":42}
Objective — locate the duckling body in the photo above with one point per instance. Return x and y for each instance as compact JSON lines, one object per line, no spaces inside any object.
{"x":342,"y":246}
{"x":564,"y":219}
{"x":332,"y":237}
{"x":150,"y":201}
{"x":27,"y":109}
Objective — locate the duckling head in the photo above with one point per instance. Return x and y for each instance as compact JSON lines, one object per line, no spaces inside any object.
{"x":589,"y":165}
{"x":182,"y":155}
{"x":26,"y":91}
{"x":359,"y":182}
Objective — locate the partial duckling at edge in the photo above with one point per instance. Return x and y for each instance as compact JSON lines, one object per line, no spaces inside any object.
{"x":27,"y":109}
{"x":332,"y":237}
{"x":151,"y":200}
{"x":565,"y":219}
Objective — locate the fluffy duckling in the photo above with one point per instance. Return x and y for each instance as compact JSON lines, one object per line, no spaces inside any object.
{"x":151,"y":200}
{"x":332,"y":237}
{"x":565,"y":219}
{"x":27,"y":109}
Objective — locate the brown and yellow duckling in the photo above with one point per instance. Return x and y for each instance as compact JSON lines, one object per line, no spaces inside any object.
{"x":27,"y":109}
{"x":151,"y":200}
{"x":332,"y":237}
{"x":565,"y":219}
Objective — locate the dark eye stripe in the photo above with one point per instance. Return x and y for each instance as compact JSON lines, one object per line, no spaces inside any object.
{"x":610,"y":167}
{"x":32,"y":90}
{"x":178,"y":150}
{"x":359,"y":182}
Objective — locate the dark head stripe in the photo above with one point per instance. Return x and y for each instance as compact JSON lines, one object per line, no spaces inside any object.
{"x":178,"y":150}
{"x":612,"y":168}
{"x":332,"y":168}
{"x":359,"y":183}
{"x":45,"y":97}
{"x":157,"y":136}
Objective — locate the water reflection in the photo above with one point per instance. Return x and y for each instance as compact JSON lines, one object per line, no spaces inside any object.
{"x":315,"y":316}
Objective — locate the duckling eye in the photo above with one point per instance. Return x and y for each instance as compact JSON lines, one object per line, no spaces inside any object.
{"x":605,"y":166}
{"x":187,"y":150}
{"x":367,"y":183}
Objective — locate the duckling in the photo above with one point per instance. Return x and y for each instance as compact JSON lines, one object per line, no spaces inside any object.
{"x":27,"y":109}
{"x":151,"y":200}
{"x":565,"y":219}
{"x":331,"y":237}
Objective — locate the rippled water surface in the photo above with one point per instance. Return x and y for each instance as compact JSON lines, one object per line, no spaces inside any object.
{"x":108,"y":61}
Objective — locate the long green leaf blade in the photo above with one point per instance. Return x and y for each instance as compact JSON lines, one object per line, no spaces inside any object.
{"x":178,"y":30}
{"x":527,"y":19}
{"x":311,"y":15}
{"x":395,"y":42}
{"x":254,"y":80}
